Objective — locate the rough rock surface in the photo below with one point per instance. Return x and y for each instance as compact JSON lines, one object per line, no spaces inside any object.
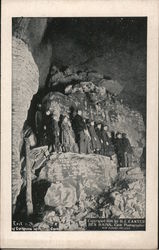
{"x":25,"y":84}
{"x":88,"y":174}
{"x":125,"y":199}
{"x":111,"y":85}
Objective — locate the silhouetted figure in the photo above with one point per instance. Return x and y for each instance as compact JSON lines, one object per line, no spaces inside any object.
{"x":48,"y":130}
{"x":55,"y":133}
{"x":119,"y":149}
{"x":113,"y":137}
{"x":95,"y":143}
{"x":79,"y":128}
{"x":105,"y":139}
{"x":39,"y":123}
{"x":100,"y":137}
{"x":44,"y":139}
{"x":68,"y":137}
{"x":108,"y":147}
{"x":127,"y":150}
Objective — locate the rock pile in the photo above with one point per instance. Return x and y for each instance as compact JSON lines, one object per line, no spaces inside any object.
{"x":71,"y":75}
{"x":126,"y":199}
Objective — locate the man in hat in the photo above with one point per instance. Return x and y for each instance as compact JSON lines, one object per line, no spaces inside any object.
{"x":39,"y":123}
{"x":47,"y":130}
{"x":79,"y":128}
{"x":44,"y":140}
{"x":127,"y":150}
{"x":100,"y":137}
{"x":55,"y":133}
{"x":108,"y":148}
{"x":95,"y":143}
{"x":119,"y":149}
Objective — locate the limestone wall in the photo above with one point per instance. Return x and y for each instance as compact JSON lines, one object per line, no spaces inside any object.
{"x":25,"y":81}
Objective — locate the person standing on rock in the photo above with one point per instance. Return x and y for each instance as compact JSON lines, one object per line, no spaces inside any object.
{"x":108,"y":148}
{"x":100,"y":137}
{"x":67,"y":137}
{"x":127,"y":150}
{"x":48,"y":130}
{"x":79,"y":127}
{"x":55,"y":133}
{"x":119,"y":149}
{"x":95,"y":143}
{"x":44,"y":140}
{"x":39,"y":123}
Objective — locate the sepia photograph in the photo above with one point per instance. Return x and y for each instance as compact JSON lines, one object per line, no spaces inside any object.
{"x":79,"y":123}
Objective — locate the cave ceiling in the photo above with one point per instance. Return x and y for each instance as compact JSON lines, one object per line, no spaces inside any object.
{"x":115,"y":47}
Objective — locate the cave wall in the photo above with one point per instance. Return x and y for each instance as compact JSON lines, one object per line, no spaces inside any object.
{"x":28,"y":71}
{"x":25,"y":83}
{"x":32,"y":32}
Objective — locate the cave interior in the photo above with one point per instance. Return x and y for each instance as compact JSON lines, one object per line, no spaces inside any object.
{"x":112,"y":49}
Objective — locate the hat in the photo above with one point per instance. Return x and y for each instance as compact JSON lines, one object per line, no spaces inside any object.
{"x":118,"y":133}
{"x":123,"y":134}
{"x":48,"y":112}
{"x":91,"y":120}
{"x":99,"y":122}
{"x":105,"y":125}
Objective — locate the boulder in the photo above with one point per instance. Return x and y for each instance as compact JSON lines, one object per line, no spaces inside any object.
{"x":94,"y":76}
{"x":60,"y":194}
{"x":112,"y":86}
{"x":54,"y":100}
{"x":73,"y":174}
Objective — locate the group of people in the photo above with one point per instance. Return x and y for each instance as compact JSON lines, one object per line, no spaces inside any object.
{"x":73,"y":133}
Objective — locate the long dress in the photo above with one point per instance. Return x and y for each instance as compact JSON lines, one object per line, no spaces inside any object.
{"x":107,"y":145}
{"x":95,"y":143}
{"x":67,"y":138}
{"x":55,"y":134}
{"x":119,"y":148}
{"x":100,"y":137}
{"x":127,"y":152}
{"x":38,"y":125}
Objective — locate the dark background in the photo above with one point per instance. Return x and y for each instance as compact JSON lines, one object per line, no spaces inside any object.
{"x":114,"y":46}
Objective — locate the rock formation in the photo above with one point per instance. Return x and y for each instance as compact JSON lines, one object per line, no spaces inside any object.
{"x":25,"y":80}
{"x":78,"y":186}
{"x":90,"y":174}
{"x":99,"y":103}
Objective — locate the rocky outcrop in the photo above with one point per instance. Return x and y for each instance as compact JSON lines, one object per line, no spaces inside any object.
{"x":125,"y":199}
{"x":24,"y":85}
{"x":111,"y":85}
{"x":74,"y":176}
{"x":102,"y":106}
